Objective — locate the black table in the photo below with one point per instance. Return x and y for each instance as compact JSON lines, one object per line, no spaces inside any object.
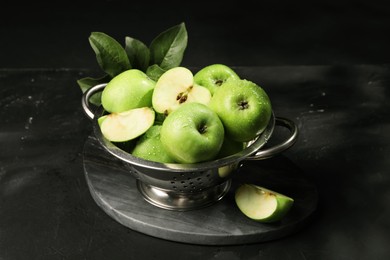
{"x":343,"y":114}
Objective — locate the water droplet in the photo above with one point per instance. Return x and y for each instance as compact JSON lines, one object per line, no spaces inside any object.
{"x":28,"y":123}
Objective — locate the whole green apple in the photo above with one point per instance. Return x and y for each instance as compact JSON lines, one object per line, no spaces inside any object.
{"x":230,"y":147}
{"x":192,"y":133}
{"x":129,"y":89}
{"x":149,"y":147}
{"x":261,"y":204}
{"x":213,"y":76}
{"x":243,"y":107}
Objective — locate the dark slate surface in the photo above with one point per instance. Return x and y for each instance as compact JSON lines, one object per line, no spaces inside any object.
{"x":114,"y":189}
{"x":343,"y":113}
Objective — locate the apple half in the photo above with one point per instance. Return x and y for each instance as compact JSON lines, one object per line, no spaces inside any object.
{"x":127,"y":125}
{"x":176,"y":87}
{"x":262,"y":204}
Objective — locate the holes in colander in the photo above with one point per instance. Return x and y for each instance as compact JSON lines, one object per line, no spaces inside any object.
{"x":190,"y":182}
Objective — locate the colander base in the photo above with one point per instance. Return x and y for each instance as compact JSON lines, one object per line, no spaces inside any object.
{"x":180,"y":201}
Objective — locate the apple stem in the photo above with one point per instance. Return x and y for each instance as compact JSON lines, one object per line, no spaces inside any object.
{"x":219,"y":82}
{"x":243,"y":105}
{"x":202,"y":128}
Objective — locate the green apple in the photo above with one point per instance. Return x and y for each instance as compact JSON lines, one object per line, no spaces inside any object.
{"x":213,"y":76}
{"x":262,"y":204}
{"x":129,"y":89}
{"x":149,"y":147}
{"x":176,"y":87}
{"x":230,"y":147}
{"x":101,"y":119}
{"x":192,"y":133}
{"x":127,"y":125}
{"x":243,"y":107}
{"x":126,"y":146}
{"x":225,"y":171}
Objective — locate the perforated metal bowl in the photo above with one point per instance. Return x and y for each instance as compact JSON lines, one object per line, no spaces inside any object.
{"x":187,"y":186}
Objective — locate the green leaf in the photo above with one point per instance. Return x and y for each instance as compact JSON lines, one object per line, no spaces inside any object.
{"x":138,"y":53}
{"x":88,"y":82}
{"x":154,"y":72}
{"x":167,"y":49}
{"x":110,"y":55}
{"x":159,"y":118}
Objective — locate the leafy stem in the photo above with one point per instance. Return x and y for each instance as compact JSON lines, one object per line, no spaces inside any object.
{"x":166,"y":51}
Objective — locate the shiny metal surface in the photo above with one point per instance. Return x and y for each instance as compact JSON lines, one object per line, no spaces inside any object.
{"x":122,"y":197}
{"x":173,"y":200}
{"x":276,"y":149}
{"x":179,"y":186}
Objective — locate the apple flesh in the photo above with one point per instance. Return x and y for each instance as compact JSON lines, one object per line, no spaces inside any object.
{"x":244,"y":108}
{"x":149,"y":147}
{"x":213,"y":76}
{"x":176,"y":87}
{"x":192,"y":133}
{"x":127,"y":125}
{"x":129,"y":89}
{"x":262,"y":204}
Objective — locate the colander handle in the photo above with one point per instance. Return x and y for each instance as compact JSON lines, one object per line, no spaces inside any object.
{"x":272,"y":151}
{"x":87,"y":95}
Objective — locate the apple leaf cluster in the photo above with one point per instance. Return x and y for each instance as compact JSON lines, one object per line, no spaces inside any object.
{"x":165,"y":51}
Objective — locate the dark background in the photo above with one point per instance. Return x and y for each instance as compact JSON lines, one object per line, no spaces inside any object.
{"x":240,"y":33}
{"x":342,"y":112}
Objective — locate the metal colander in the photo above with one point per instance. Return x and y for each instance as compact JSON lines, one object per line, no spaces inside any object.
{"x":187,"y":186}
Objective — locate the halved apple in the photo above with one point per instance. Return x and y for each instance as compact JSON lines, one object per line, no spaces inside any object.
{"x":127,"y":125}
{"x":262,"y":204}
{"x":176,"y":87}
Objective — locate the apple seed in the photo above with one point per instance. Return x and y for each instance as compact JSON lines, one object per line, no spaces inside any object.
{"x":182,"y":97}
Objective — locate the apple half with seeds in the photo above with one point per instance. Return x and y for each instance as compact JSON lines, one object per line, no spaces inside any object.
{"x":175,"y":87}
{"x":262,"y":204}
{"x":127,"y":125}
